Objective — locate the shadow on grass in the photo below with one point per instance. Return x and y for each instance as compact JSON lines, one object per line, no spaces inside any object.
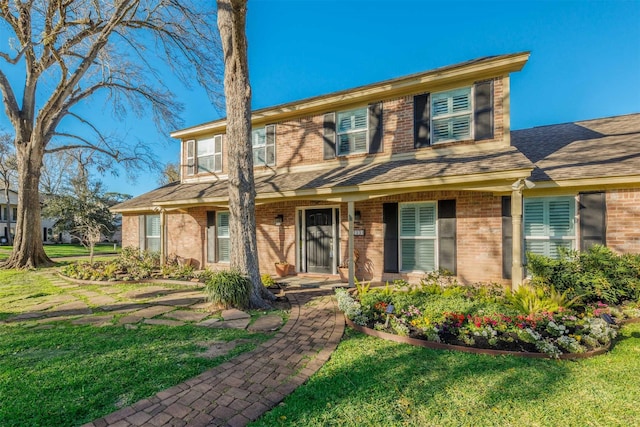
{"x":369,"y":381}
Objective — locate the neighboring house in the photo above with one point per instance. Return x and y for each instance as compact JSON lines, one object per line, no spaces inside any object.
{"x":412,"y":174}
{"x":11,"y":213}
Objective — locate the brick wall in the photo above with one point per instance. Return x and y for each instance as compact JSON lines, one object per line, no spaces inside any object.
{"x":130,"y":231}
{"x":299,"y":142}
{"x":623,"y":220}
{"x":186,"y":233}
{"x":479,"y":234}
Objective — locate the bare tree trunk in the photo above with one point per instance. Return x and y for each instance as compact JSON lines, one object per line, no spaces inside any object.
{"x":242,"y":221}
{"x":28,"y":251}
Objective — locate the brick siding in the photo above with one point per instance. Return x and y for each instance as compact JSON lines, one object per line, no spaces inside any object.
{"x":623,"y":220}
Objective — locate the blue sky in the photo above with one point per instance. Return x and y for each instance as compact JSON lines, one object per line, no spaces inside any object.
{"x":585,"y":55}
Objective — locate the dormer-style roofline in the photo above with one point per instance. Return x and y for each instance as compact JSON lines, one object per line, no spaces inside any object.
{"x":426,"y":81}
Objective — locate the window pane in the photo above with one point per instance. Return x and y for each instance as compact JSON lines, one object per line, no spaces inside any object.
{"x":440,"y":105}
{"x":258,"y":137}
{"x":351,"y":143}
{"x":206,"y":164}
{"x":258,"y":156}
{"x":408,"y":220}
{"x":461,"y":102}
{"x":418,"y":254}
{"x":205,"y":146}
{"x":152,"y":225}
{"x":534,"y":218}
{"x":560,"y":217}
{"x":223,"y":250}
{"x":549,"y":224}
{"x":153,"y":244}
{"x":223,"y":236}
{"x":223,"y":224}
{"x":461,"y":127}
{"x":427,"y":220}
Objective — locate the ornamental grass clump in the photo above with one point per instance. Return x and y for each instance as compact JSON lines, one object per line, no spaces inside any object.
{"x":228,"y":288}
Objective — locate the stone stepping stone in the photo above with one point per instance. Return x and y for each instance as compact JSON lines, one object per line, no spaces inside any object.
{"x":147,"y":292}
{"x":126,"y":320}
{"x":231,"y":324}
{"x":87,"y":294}
{"x":72,"y":308}
{"x":110,"y":290}
{"x":123,"y":307}
{"x":163,"y":322}
{"x":101,"y":300}
{"x":54,"y":319}
{"x":153,"y":311}
{"x":181,"y":299}
{"x":42,"y":306}
{"x":145,"y":313}
{"x":268,"y":323}
{"x":25,"y":316}
{"x":186,"y":315}
{"x":93,"y":320}
{"x":234,"y":314}
{"x":209,"y":323}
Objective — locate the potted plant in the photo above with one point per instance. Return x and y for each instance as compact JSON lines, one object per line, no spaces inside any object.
{"x":282,"y":268}
{"x":343,"y":268}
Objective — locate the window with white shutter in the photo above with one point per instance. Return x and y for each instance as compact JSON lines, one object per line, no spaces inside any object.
{"x":191,"y":156}
{"x":264,"y":146}
{"x":223,"y":236}
{"x":418,"y":237}
{"x":352,"y":129}
{"x":549,"y":224}
{"x":152,"y":233}
{"x":451,"y":115}
{"x":209,"y":152}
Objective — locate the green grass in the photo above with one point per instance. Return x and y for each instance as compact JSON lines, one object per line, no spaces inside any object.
{"x":66,"y":250}
{"x":70,"y":375}
{"x":372,"y":382}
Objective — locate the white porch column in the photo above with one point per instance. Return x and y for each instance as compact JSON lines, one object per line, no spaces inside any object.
{"x":163,"y":237}
{"x":516,"y":223}
{"x":351,"y":214}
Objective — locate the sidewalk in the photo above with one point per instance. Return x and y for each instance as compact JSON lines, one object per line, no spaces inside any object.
{"x":242,"y":389}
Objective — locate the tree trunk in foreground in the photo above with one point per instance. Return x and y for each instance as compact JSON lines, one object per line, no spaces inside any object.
{"x":28,"y":251}
{"x":242,"y":221}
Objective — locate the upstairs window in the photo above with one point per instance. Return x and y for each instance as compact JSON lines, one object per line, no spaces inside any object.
{"x":209,"y":154}
{"x":549,"y":224}
{"x":452,"y":115}
{"x":264,"y":146}
{"x":352,"y":131}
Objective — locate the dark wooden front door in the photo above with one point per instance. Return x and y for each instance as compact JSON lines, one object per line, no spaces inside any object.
{"x":319,"y":230}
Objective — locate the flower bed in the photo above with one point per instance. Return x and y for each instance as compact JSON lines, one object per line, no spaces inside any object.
{"x":484,"y":317}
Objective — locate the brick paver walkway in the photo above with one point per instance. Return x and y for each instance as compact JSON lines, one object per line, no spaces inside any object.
{"x":242,"y":389}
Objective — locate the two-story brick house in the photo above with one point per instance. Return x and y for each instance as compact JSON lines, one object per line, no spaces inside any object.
{"x":411,"y":175}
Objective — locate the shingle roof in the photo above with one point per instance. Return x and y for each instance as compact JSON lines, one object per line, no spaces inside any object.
{"x":504,"y":159}
{"x":606,"y":147}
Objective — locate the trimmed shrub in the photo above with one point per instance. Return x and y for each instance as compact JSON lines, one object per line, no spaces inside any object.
{"x":228,"y":288}
{"x":595,"y":275}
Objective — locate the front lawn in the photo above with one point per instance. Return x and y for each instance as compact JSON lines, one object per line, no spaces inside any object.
{"x":372,"y":382}
{"x":57,"y":374}
{"x":67,"y":250}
